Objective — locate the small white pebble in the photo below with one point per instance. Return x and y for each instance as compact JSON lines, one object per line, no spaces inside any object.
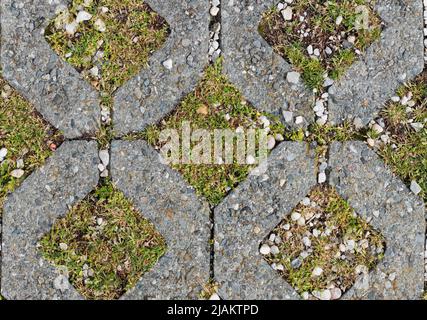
{"x":275,"y":250}
{"x":377,"y":128}
{"x":415,"y":187}
{"x":17,"y":173}
{"x":250,"y":159}
{"x":99,"y":25}
{"x":287,"y":13}
{"x":301,"y":221}
{"x":317,"y":271}
{"x":168,"y":64}
{"x":295,"y":216}
{"x":265,"y":249}
{"x":322,"y":177}
{"x":71,"y":28}
{"x":83,"y":16}
{"x":299,"y":120}
{"x":371,"y":142}
{"x":3,"y":153}
{"x":215,"y":296}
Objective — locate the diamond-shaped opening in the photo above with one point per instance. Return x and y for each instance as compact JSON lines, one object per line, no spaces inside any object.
{"x":26,"y":140}
{"x":108,"y":41}
{"x":103,"y":245}
{"x":321,"y":39}
{"x":323,"y":246}
{"x":216,"y":104}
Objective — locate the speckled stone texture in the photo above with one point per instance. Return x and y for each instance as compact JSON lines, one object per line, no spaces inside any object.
{"x":29,"y":213}
{"x":55,"y":88}
{"x":389,"y":62}
{"x":367,"y":184}
{"x":156,"y":90}
{"x":172,"y":206}
{"x":258,"y":205}
{"x":253,"y":66}
{"x":249,"y":214}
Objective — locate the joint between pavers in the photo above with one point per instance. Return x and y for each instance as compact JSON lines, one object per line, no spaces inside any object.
{"x":215,"y":43}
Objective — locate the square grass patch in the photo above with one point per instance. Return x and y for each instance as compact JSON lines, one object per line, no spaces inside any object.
{"x":323,"y":246}
{"x":108,"y":41}
{"x":321,"y":39}
{"x":215,"y":104}
{"x":104,"y":244}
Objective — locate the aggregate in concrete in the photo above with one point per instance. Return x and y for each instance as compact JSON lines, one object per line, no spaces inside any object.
{"x":389,"y":62}
{"x":55,"y":88}
{"x":161,"y":196}
{"x":157,"y":90}
{"x":362,"y":179}
{"x":253,"y":66}
{"x":30,"y":212}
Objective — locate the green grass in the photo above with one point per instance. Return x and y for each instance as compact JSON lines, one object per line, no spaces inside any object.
{"x":312,"y":69}
{"x":25,"y":135}
{"x":133,"y":33}
{"x":321,"y":18}
{"x":408,"y":159}
{"x":117,"y":249}
{"x":206,"y":108}
{"x":330,"y":212}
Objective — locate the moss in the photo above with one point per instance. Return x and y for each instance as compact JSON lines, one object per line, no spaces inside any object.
{"x":325,"y":135}
{"x":104,"y":243}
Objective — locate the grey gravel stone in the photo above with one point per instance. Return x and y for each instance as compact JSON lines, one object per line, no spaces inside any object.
{"x":368,"y":185}
{"x":172,"y":206}
{"x":158,"y":88}
{"x":55,"y":88}
{"x":104,"y":156}
{"x":29,"y":213}
{"x":394,"y":59}
{"x":17,"y":173}
{"x":240,"y":269}
{"x":415,"y":187}
{"x":293,"y":77}
{"x":3,"y":153}
{"x":252,"y":65}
